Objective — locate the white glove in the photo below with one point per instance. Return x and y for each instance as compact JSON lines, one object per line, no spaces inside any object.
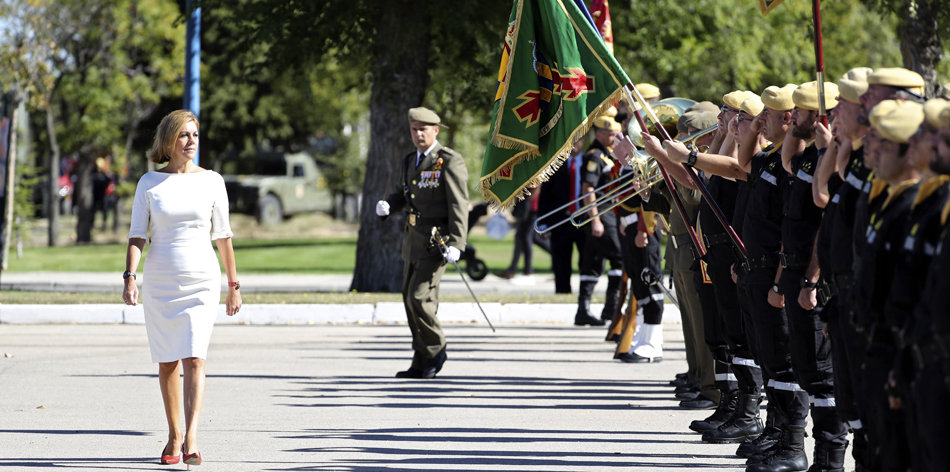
{"x":452,"y":254}
{"x":382,"y":208}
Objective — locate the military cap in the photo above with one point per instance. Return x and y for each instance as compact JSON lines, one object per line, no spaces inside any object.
{"x":752,"y":105}
{"x":699,"y":119}
{"x":423,"y":115}
{"x":735,"y":98}
{"x":945,"y":116}
{"x":704,"y":106}
{"x":902,"y":122}
{"x":881,"y":109}
{"x":648,"y":91}
{"x":898,"y":77}
{"x":605,"y":122}
{"x":853,"y":84}
{"x":779,"y":98}
{"x":806,"y":96}
{"x":932,"y":112}
{"x":611,"y":112}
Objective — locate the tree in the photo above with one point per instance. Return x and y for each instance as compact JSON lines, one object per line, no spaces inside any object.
{"x":921,"y":25}
{"x":398,"y":43}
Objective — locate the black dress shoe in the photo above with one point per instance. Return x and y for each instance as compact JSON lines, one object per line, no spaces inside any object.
{"x":412,"y":373}
{"x":678,"y":382}
{"x":434,"y":365}
{"x":615,"y":338}
{"x":582,"y":319}
{"x":685,"y":388}
{"x":702,"y":402}
{"x":688,"y":395}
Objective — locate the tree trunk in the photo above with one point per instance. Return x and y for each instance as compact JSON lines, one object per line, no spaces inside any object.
{"x":11,"y":188}
{"x":399,"y":82}
{"x":83,"y":199}
{"x":920,"y":43}
{"x":53,"y":189}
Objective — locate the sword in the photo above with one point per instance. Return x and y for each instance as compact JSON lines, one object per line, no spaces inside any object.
{"x":650,"y":278}
{"x":437,"y":238}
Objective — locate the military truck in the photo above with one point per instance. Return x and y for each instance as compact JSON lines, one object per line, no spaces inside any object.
{"x":275,"y":185}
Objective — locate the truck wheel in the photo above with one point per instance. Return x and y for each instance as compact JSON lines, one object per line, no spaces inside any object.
{"x":476,"y":269}
{"x":269,"y":212}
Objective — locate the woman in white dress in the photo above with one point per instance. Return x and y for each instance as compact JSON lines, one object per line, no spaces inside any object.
{"x":182,"y":204}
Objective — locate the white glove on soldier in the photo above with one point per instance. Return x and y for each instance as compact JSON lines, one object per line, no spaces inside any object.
{"x":452,"y":254}
{"x":382,"y":208}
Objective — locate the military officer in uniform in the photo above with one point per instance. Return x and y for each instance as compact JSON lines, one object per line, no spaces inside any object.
{"x":603,"y":236}
{"x":435,"y":194}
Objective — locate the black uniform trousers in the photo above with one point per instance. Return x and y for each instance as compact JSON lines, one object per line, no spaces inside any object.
{"x":728,"y":328}
{"x":847,"y":353}
{"x":931,"y":390}
{"x":598,"y":250}
{"x":635,"y":259}
{"x":563,"y":240}
{"x":770,"y":327}
{"x":812,"y":362}
{"x":886,"y":431}
{"x":713,"y":334}
{"x":745,"y":308}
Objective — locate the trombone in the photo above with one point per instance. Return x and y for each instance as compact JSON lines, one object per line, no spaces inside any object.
{"x":572,"y":202}
{"x":690,"y":140}
{"x":652,"y":179}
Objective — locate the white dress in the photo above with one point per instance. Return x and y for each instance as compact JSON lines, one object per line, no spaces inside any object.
{"x":182,"y":286}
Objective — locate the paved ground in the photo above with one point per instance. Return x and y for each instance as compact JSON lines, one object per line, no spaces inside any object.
{"x":543,"y":397}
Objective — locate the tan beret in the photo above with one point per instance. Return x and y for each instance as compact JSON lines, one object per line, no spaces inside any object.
{"x":806,"y":96}
{"x":604,"y":122}
{"x":779,"y":99}
{"x":423,"y":115}
{"x":735,"y":98}
{"x":700,"y":119}
{"x":648,"y":91}
{"x":898,"y":77}
{"x":752,"y":105}
{"x":853,"y":84}
{"x":902,"y":122}
{"x":611,"y":112}
{"x":681,"y":126}
{"x":881,"y":109}
{"x":704,"y":106}
{"x":945,"y":117}
{"x":933,"y":110}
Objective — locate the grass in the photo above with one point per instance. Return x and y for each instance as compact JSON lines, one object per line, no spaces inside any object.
{"x":343,"y":298}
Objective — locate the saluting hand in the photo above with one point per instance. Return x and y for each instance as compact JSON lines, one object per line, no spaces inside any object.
{"x":823,"y":135}
{"x":758,"y":123}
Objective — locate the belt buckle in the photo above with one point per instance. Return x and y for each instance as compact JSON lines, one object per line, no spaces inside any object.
{"x":783,"y":259}
{"x":412,"y":219}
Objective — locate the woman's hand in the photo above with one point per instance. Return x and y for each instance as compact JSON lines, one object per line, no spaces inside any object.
{"x":130,"y":295}
{"x":233,"y":301}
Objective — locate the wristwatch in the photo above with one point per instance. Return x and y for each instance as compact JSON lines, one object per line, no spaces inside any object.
{"x":775,"y":288}
{"x":128,"y":274}
{"x":691,"y":160}
{"x":806,"y":284}
{"x":236,"y":285}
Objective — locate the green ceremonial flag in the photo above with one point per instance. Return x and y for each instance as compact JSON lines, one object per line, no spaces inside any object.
{"x":556,"y":75}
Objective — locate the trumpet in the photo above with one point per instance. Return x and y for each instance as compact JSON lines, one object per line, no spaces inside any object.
{"x":652,"y":179}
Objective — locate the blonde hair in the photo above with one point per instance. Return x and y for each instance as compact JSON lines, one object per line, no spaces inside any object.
{"x":167,"y":134}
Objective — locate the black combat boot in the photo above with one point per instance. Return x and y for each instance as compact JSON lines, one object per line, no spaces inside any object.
{"x":613,"y":298}
{"x":859,"y":450}
{"x":789,"y":456}
{"x":583,"y":306}
{"x":769,"y":437}
{"x":828,"y":458}
{"x":744,"y":425}
{"x":727,"y":405}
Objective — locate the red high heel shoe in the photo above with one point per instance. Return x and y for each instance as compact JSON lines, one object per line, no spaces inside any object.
{"x":190,"y":459}
{"x":170,"y":459}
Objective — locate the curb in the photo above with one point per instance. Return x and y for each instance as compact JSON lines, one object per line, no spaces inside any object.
{"x":383,"y":312}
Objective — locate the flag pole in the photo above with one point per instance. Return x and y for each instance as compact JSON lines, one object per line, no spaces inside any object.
{"x":819,"y":61}
{"x":692,"y":174}
{"x":666,"y":177}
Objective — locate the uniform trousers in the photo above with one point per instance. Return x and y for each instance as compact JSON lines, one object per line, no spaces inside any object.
{"x":598,"y":250}
{"x":702,"y":373}
{"x":727,"y":328}
{"x":713,"y":334}
{"x":847,"y":348}
{"x":563,"y":240}
{"x":745,"y":308}
{"x":886,"y":429}
{"x":812,"y":362}
{"x":930,"y":390}
{"x":770,"y":327}
{"x":635,"y":260}
{"x":420,"y":295}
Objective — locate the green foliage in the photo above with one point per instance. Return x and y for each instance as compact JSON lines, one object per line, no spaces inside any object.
{"x":708,"y":48}
{"x":27,"y":177}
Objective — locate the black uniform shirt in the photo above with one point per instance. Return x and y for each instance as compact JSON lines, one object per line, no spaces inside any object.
{"x":802,"y":216}
{"x":854,"y":189}
{"x":930,"y":314}
{"x":875,"y":264}
{"x":825,"y":231}
{"x":724,"y":192}
{"x":598,"y":168}
{"x":762,"y":228}
{"x":920,"y":238}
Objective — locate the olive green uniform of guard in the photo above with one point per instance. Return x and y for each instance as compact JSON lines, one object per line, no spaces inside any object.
{"x":435,"y":194}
